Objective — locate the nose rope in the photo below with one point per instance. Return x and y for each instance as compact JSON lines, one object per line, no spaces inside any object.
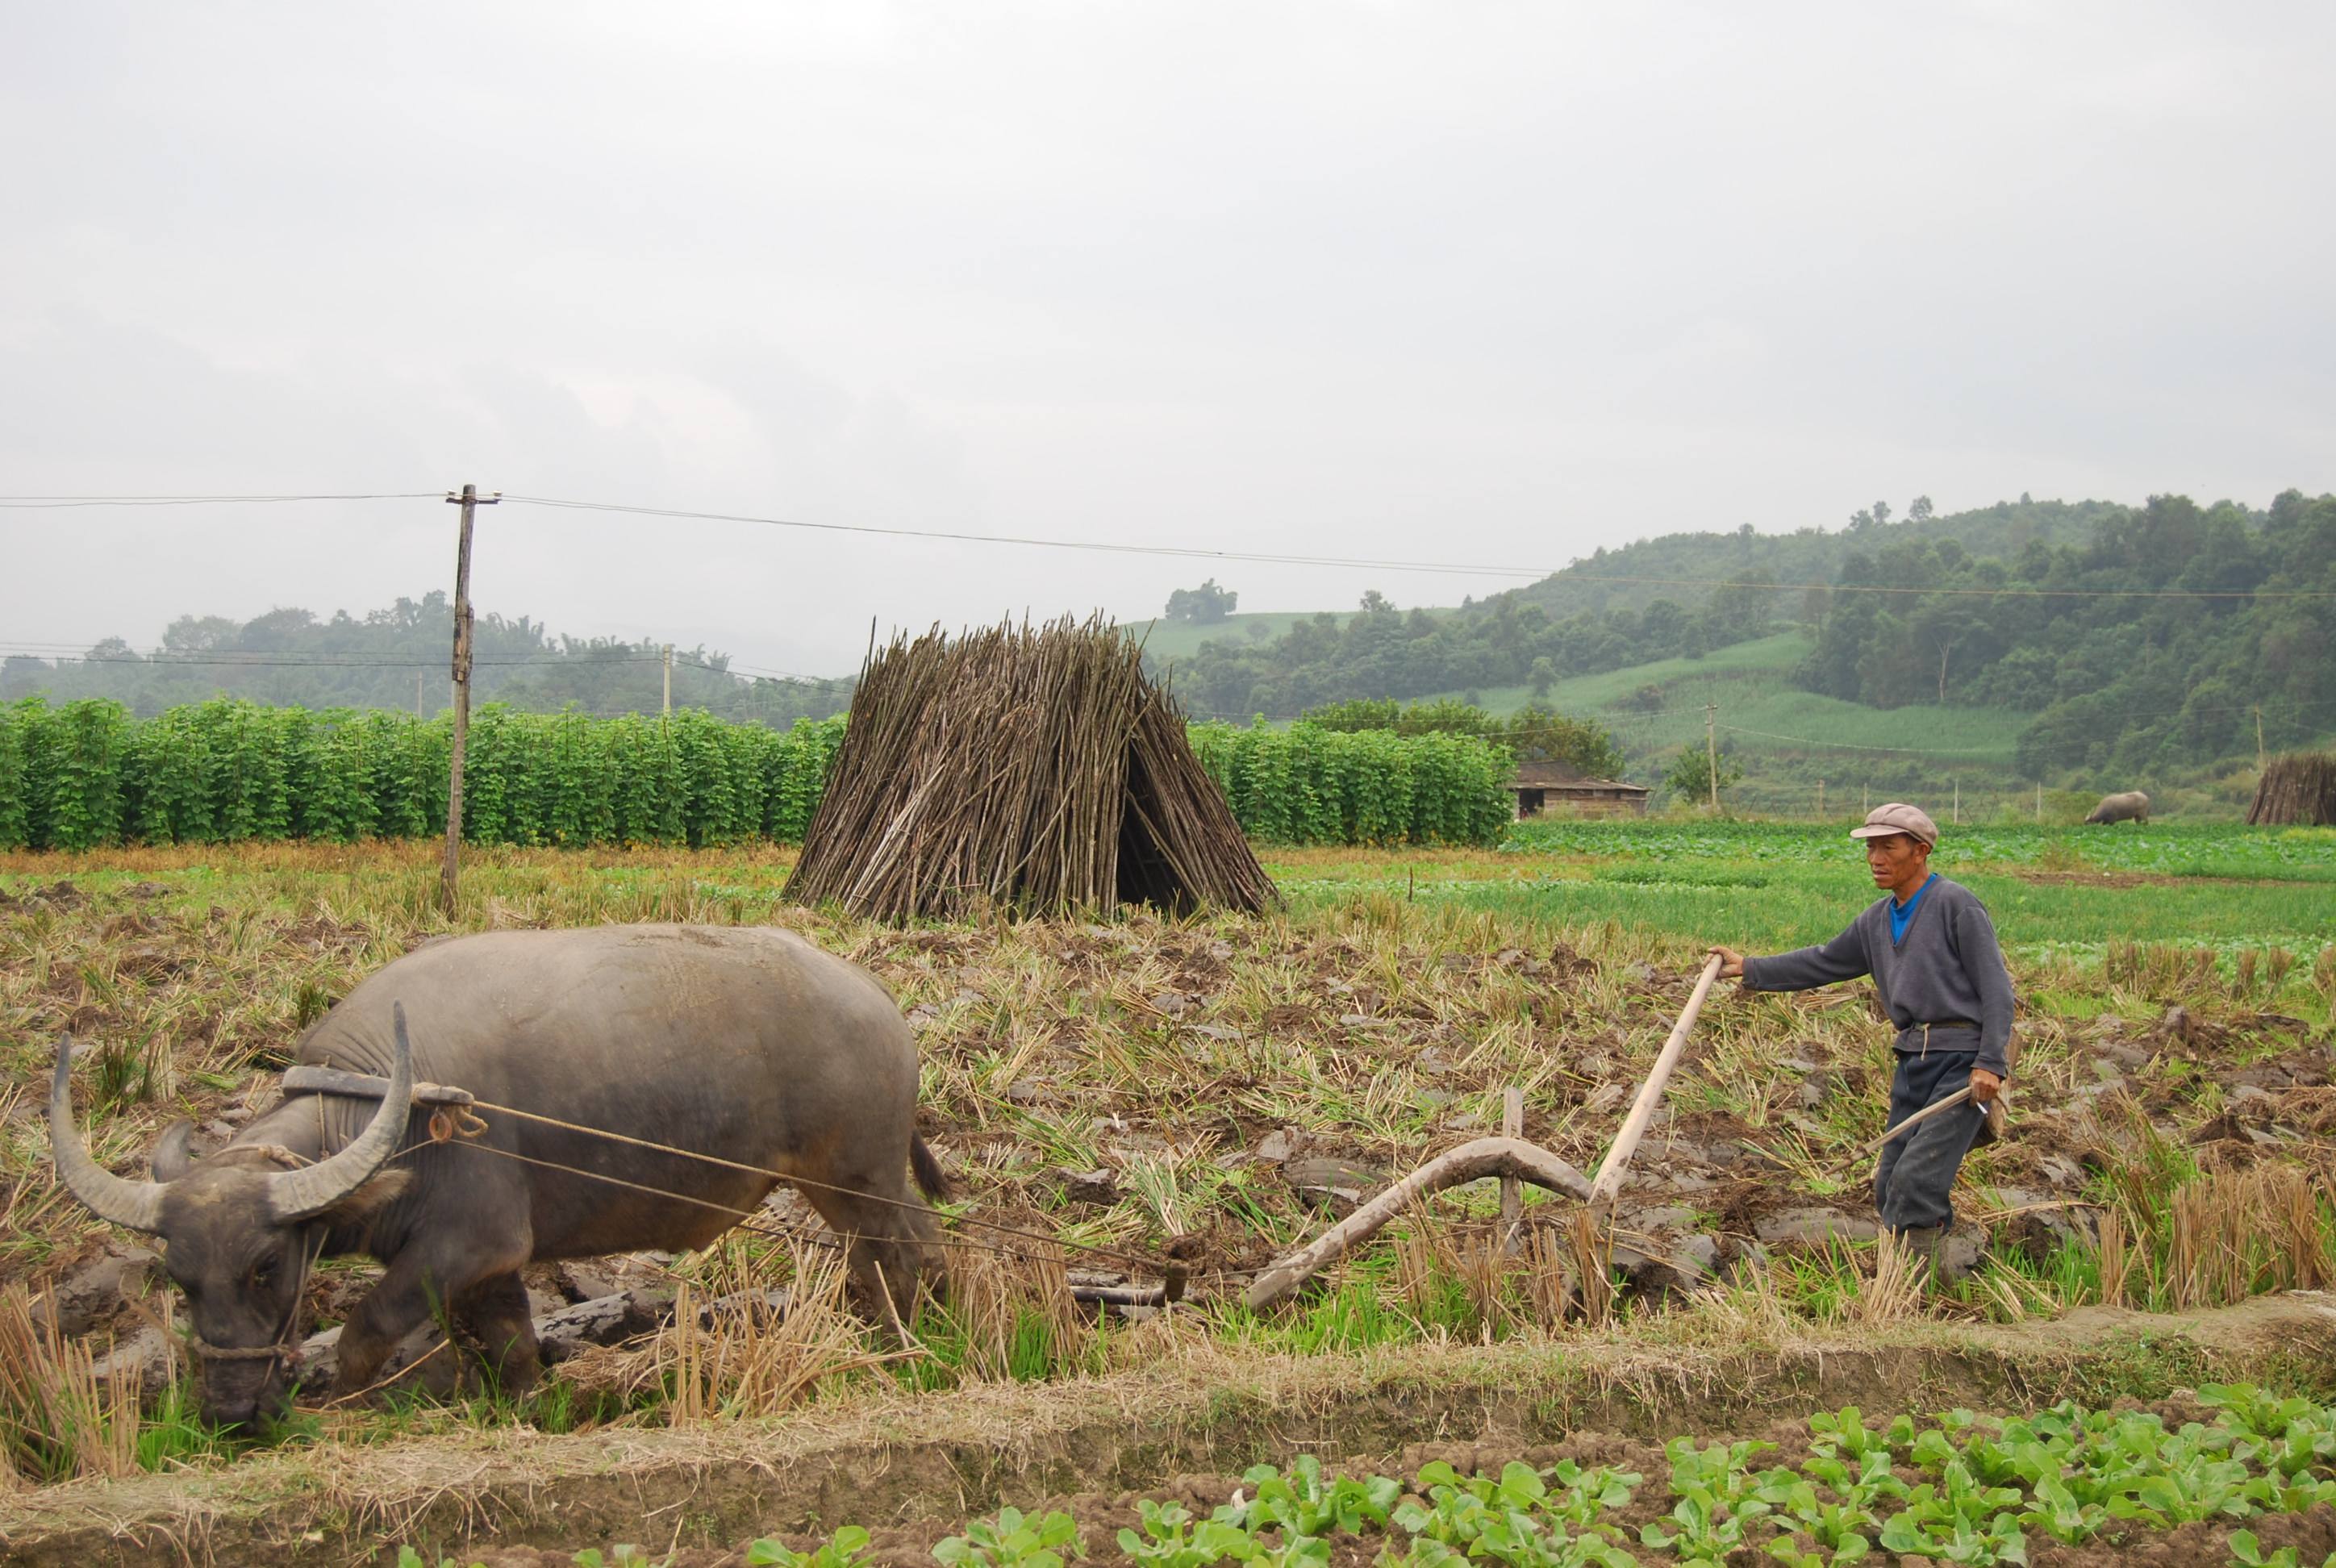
{"x":281,"y":1348}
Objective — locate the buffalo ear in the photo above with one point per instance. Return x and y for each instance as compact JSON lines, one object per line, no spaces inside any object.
{"x":171,"y":1155}
{"x":372,"y":1196}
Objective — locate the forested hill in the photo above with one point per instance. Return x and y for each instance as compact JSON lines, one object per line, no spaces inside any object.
{"x":2050,"y":612}
{"x":1670,"y":567}
{"x":399,"y":657}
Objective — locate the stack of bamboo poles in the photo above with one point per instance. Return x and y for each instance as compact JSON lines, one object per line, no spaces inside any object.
{"x":1034,"y":770}
{"x":2298,"y":788}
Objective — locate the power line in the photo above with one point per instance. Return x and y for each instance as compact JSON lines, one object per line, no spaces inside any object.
{"x":1196,"y":552}
{"x":36,"y":503}
{"x":1481,"y":570}
{"x":230,"y":659}
{"x":1093,"y":546}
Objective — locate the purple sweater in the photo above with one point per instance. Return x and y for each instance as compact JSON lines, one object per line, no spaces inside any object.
{"x":1947,"y":969}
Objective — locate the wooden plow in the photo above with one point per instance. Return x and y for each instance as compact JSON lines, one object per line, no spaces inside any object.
{"x":1508,"y":1156}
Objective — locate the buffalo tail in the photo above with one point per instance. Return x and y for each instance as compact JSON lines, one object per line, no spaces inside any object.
{"x":931,"y":1179}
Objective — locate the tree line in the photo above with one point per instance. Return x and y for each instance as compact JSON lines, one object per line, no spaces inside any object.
{"x":399,"y":657}
{"x":2042,"y":608}
{"x":2118,"y":682}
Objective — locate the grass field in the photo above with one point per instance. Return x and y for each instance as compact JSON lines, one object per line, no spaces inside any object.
{"x":2177,"y":986}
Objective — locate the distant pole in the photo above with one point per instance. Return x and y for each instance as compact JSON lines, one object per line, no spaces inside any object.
{"x":468,"y":501}
{"x":2259,"y":744}
{"x":1959,"y":802}
{"x":2040,"y":800}
{"x":667,"y":709}
{"x":1820,"y":800}
{"x":418,"y":711}
{"x":1865,"y":799}
{"x":1711,"y":751}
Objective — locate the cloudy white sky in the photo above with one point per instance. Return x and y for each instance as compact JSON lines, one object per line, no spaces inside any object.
{"x":1455,"y":281}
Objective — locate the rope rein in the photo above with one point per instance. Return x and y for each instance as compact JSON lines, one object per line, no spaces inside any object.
{"x":459,"y":1126}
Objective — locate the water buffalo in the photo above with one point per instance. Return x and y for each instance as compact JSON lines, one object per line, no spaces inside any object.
{"x":747,"y":1045}
{"x":2131,"y":806}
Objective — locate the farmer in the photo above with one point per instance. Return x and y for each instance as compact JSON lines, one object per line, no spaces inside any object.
{"x":1931,"y":951}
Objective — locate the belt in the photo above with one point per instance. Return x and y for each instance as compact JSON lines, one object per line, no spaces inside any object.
{"x":1925,"y":1030}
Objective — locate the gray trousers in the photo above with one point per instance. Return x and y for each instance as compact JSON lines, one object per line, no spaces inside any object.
{"x":1913,"y":1185}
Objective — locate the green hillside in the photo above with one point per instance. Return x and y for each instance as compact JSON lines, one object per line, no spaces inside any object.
{"x":1655,"y":709}
{"x":1167,"y":641}
{"x":1679,"y":566}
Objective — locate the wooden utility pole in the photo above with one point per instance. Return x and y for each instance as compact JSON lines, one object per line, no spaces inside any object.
{"x":1958,"y":801}
{"x":2260,"y":760}
{"x":1711,"y":751}
{"x":468,"y":501}
{"x":667,"y":709}
{"x":2040,"y":800}
{"x":418,"y":712}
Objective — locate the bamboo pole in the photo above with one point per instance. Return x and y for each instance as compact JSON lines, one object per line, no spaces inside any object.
{"x":1651,"y":1092}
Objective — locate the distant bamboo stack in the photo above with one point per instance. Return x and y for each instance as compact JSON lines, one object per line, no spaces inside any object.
{"x":2297,"y":789}
{"x":1033,"y":770}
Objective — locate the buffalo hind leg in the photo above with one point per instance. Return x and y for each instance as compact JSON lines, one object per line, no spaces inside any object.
{"x":496,"y":1310}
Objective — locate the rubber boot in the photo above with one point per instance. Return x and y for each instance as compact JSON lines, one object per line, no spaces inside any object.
{"x":1927,"y":1246}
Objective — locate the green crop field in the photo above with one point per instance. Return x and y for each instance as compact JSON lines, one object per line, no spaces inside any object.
{"x":2054,"y":892}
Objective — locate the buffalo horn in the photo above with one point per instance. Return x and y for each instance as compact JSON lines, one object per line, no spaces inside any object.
{"x":305,"y":1193}
{"x":173,"y":1156}
{"x":134,"y":1206}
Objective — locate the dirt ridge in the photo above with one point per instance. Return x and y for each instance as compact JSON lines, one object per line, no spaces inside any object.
{"x":897,"y":1458}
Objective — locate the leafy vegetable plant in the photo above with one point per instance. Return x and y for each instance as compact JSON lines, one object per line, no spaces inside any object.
{"x":1010,"y":1540}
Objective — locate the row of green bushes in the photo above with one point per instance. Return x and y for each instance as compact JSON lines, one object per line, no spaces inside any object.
{"x":1308,"y":786}
{"x":86,"y":773}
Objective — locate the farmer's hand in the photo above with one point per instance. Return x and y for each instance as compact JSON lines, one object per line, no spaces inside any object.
{"x":1985,"y":1086}
{"x":1731,"y":962}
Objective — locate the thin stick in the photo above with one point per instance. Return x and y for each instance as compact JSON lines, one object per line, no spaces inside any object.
{"x":1484,"y":1157}
{"x":1935,"y":1108}
{"x":1651,"y":1092}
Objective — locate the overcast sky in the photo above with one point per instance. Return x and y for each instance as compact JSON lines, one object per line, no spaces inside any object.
{"x":1445,"y":281}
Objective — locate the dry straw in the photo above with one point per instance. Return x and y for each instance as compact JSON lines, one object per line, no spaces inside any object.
{"x":737,"y":1354}
{"x":56,"y":1420}
{"x":2298,"y":788}
{"x":1034,"y":770}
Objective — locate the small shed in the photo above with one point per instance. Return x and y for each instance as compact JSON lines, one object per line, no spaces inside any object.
{"x":1545,"y":787}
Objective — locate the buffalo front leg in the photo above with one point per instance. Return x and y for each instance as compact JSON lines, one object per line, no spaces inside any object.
{"x":418,"y":1285}
{"x":402,"y":1302}
{"x":497,"y":1311}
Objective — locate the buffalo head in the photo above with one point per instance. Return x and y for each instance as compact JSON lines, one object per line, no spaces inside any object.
{"x":240,"y":1230}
